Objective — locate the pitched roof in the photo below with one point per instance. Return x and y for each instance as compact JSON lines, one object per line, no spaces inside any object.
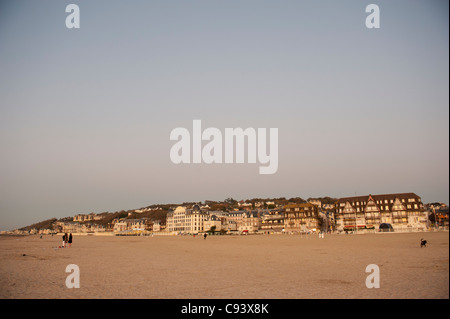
{"x":378,"y":197}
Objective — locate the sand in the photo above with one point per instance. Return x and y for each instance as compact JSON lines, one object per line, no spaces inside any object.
{"x":235,"y":267}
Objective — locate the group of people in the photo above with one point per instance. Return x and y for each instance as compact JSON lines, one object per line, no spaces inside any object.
{"x":67,"y":239}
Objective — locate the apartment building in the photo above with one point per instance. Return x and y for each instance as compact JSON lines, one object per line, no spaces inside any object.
{"x":273,"y":221}
{"x":250,"y":222}
{"x":404,"y":211}
{"x":301,"y":217}
{"x":186,"y":220}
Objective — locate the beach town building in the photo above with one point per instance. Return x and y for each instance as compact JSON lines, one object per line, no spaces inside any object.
{"x":120,"y":226}
{"x":273,"y":221}
{"x":227,"y":223}
{"x":441,"y":216}
{"x":175,"y":220}
{"x":196,"y":220}
{"x":132,"y":224}
{"x":223,"y":216}
{"x":186,"y":220}
{"x":302,"y":217}
{"x":316,"y":202}
{"x":230,"y":226}
{"x":404,"y":211}
{"x":156,"y":227}
{"x":86,"y":217}
{"x":438,"y":214}
{"x":259,"y":204}
{"x":235,"y":217}
{"x":213,"y":222}
{"x":251,"y":222}
{"x":245,"y":205}
{"x":327,"y":207}
{"x":142,"y":210}
{"x":76,"y":227}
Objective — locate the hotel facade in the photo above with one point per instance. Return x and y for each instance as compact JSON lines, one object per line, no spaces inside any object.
{"x":404,"y":211}
{"x":301,"y":217}
{"x":186,"y":220}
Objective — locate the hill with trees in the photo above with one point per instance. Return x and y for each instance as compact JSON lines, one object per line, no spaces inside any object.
{"x":158,"y":212}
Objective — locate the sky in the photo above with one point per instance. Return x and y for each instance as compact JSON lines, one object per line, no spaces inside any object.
{"x":86,"y":114}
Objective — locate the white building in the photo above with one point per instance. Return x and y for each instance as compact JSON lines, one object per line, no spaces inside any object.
{"x":186,"y":220}
{"x":251,"y":222}
{"x":130,"y":224}
{"x":86,"y":217}
{"x":156,"y":226}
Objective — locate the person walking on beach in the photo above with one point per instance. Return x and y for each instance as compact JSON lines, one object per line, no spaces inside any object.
{"x":70,"y":240}
{"x":204,"y":236}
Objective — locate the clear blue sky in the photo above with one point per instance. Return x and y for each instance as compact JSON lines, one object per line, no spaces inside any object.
{"x":85,"y":115}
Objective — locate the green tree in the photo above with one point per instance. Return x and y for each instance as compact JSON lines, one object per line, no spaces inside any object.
{"x":231,"y":201}
{"x":212,"y":230}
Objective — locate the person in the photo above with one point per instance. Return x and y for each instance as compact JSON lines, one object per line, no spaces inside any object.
{"x":70,"y":240}
{"x":64,"y":240}
{"x":204,"y":236}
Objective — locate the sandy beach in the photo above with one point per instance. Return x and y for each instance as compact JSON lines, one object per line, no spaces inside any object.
{"x":236,"y":267}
